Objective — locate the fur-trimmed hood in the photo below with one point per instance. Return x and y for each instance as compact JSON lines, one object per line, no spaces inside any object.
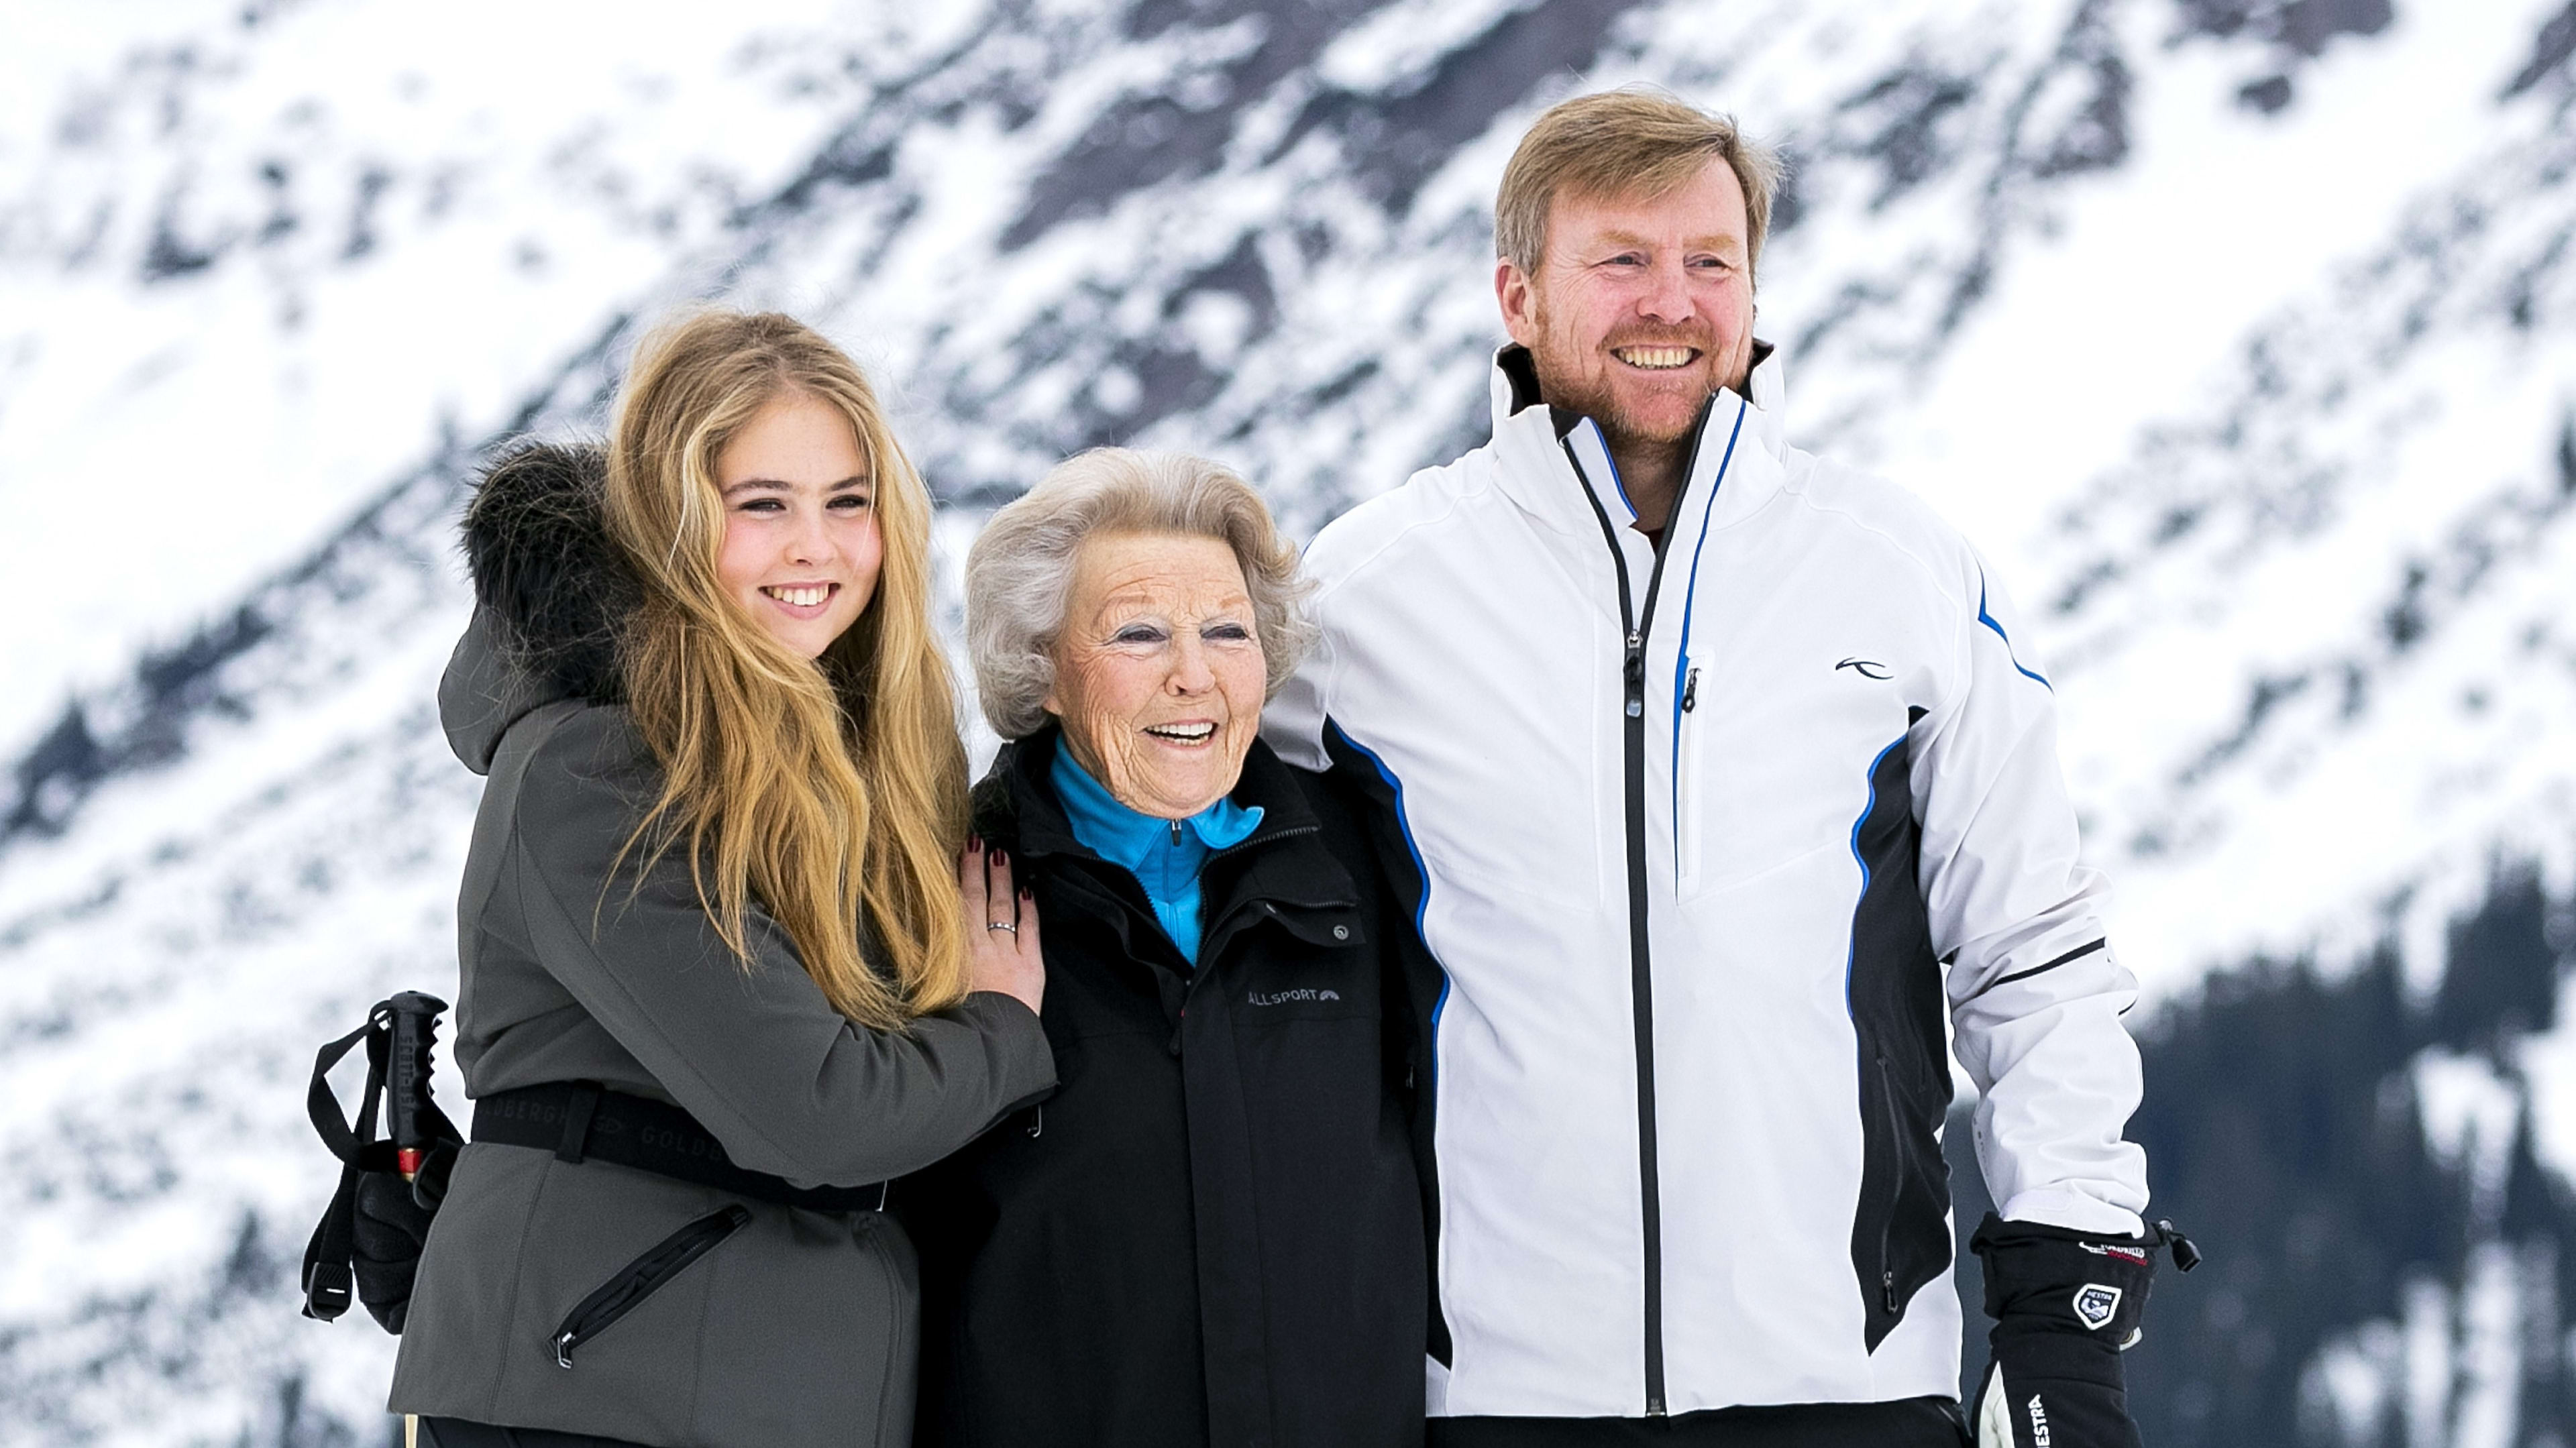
{"x":551,"y":591}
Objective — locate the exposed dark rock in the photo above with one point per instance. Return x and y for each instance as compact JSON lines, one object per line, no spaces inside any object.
{"x":172,"y":255}
{"x":2309,"y":26}
{"x":1342,"y":386}
{"x":2270,"y":95}
{"x":1145,"y":140}
{"x":53,"y":775}
{"x":2549,"y":52}
{"x":2303,"y":27}
{"x":1151,"y":18}
{"x":2264,"y":696}
{"x":1168,"y":380}
{"x":2097,"y":137}
{"x":2403,"y":621}
{"x":1901,"y":114}
{"x":1239,"y":273}
{"x":847,"y":162}
{"x":1396,"y":142}
{"x":373,"y":182}
{"x":169,"y":688}
{"x":1788,"y":199}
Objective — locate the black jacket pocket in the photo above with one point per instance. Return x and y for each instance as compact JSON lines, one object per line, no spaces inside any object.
{"x":1900,"y":1232}
{"x":641,"y":1278}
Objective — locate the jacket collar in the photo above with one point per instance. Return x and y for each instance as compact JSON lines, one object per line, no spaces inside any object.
{"x":1018,"y":799}
{"x":1532,"y":440}
{"x":1130,"y":837}
{"x":1284,"y":863}
{"x":1284,"y":869}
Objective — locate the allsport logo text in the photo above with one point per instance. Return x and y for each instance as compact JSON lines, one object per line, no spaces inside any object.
{"x":1280,"y":998}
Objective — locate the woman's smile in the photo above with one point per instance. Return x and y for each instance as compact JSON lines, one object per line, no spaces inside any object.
{"x":801,"y":600}
{"x":1195,"y":734}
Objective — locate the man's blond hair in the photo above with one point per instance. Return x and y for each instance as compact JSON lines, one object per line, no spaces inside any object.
{"x":1632,"y":142}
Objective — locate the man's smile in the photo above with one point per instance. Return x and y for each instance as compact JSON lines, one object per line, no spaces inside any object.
{"x":1656,"y":359}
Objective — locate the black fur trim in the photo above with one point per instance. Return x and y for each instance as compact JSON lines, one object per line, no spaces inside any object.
{"x":544,"y":565}
{"x":995,"y":812}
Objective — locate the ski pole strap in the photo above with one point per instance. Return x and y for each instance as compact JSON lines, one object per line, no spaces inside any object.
{"x":582,"y":1120}
{"x":326,"y":1279}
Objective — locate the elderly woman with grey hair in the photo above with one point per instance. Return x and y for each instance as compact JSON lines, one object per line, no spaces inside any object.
{"x":1211,"y":1233}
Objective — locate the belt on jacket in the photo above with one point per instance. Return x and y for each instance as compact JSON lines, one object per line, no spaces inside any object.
{"x":583,"y":1120}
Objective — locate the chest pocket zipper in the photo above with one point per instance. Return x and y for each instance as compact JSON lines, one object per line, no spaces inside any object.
{"x":644,"y":1276}
{"x":1687,"y":811}
{"x":1895,"y":1187}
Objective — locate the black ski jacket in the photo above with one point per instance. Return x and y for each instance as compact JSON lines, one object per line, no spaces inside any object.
{"x":1211,"y":1233}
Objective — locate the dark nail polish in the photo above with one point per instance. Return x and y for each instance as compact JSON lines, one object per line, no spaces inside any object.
{"x":1000,"y":858}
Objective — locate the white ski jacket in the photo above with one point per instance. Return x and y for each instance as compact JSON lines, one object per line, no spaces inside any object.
{"x":1707,"y":846}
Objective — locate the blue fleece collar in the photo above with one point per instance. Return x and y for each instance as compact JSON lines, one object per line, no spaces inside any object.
{"x":1166,"y":861}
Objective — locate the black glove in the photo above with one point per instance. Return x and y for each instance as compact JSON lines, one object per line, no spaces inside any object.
{"x":2065,"y":1305}
{"x":370,"y":1236}
{"x":385,"y":1237}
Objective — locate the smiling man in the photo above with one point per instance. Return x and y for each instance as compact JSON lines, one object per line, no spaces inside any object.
{"x":1727,"y":782}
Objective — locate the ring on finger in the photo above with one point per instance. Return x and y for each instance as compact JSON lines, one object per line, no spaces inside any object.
{"x":1001,"y":925}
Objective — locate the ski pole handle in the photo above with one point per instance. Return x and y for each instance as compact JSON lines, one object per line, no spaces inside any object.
{"x":407,"y":1105}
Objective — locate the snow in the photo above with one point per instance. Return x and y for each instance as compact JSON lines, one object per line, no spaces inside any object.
{"x":2548,"y":1064}
{"x":2470,"y":1117}
{"x":2130,"y":311}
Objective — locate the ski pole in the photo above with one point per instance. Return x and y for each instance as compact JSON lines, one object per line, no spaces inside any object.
{"x":408,"y":1109}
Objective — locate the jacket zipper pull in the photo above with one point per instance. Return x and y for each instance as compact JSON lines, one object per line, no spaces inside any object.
{"x":1634,"y":671}
{"x":1690,"y":690}
{"x":2185,"y":1255}
{"x":1176,"y":832}
{"x":1887,"y":1285}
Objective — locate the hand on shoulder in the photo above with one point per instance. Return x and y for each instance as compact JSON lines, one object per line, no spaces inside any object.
{"x":1002,"y":924}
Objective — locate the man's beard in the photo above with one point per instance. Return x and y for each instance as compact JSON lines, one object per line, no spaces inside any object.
{"x":1623,"y":429}
{"x":1596,"y":395}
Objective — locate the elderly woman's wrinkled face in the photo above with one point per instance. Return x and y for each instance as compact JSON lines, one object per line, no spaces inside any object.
{"x":1158,"y":670}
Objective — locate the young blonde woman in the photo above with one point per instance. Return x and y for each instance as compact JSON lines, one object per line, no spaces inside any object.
{"x":717,"y":980}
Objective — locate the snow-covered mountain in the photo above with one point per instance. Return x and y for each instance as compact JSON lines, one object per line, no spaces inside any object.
{"x":2241,"y":334}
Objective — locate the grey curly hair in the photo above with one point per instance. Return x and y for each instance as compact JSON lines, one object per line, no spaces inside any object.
{"x":1019,"y":574}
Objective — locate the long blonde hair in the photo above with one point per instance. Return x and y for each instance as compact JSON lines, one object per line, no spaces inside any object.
{"x":832,"y":791}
